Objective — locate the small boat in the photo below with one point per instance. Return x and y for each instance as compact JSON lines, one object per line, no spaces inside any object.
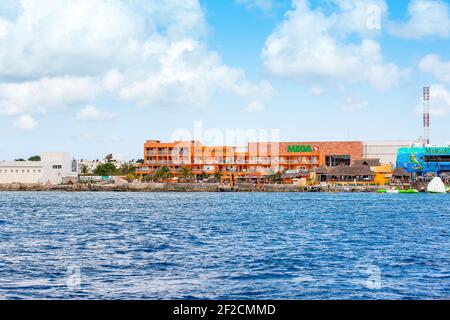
{"x":436,"y":186}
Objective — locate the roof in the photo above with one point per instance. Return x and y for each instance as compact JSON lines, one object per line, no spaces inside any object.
{"x":322,"y":169}
{"x":291,"y":175}
{"x":400,"y":172}
{"x":354,"y":170}
{"x":367,"y":162}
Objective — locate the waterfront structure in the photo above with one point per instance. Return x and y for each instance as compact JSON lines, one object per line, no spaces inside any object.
{"x":255,"y":159}
{"x":364,"y":171}
{"x":386,"y":151}
{"x":424,"y":160}
{"x":53,"y":168}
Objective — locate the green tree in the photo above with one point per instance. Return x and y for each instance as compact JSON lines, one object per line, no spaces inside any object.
{"x":217,"y":175}
{"x":275,"y":177}
{"x":19,"y":160}
{"x":186,"y":173}
{"x":163,"y":173}
{"x":140,"y":161}
{"x":106,"y":169}
{"x":127,"y":168}
{"x":84,"y":169}
{"x":203,"y":176}
{"x":35,"y":158}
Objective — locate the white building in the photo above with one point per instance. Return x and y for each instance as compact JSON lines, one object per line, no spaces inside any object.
{"x":53,"y":167}
{"x":91,"y":165}
{"x":386,"y":151}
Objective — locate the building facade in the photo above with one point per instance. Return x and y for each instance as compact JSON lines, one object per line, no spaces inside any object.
{"x":386,"y":151}
{"x":255,"y":159}
{"x":52,"y":169}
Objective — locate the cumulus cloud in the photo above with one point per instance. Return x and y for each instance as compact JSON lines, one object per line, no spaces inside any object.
{"x":31,"y":96}
{"x":92,"y":113}
{"x":440,"y":101}
{"x":434,"y":65}
{"x":25,"y":122}
{"x":309,"y":44}
{"x":427,"y":18}
{"x":64,"y":53}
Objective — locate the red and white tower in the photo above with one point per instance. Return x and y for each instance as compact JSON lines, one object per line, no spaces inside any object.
{"x":426,"y":115}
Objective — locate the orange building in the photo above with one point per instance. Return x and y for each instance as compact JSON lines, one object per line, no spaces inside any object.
{"x":255,"y":159}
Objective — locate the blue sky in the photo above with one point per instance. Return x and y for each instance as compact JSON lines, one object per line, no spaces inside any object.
{"x":71,"y":80}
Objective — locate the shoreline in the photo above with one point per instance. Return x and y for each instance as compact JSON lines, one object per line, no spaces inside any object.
{"x":180,"y":187}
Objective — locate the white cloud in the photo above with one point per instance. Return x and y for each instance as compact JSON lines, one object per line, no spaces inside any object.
{"x":427,"y":18}
{"x":92,"y":113}
{"x":362,"y":17}
{"x":264,"y":5}
{"x":310,"y":45}
{"x":434,"y":65}
{"x":352,"y":104}
{"x":440,"y":101}
{"x":32,"y":96}
{"x":64,"y":53}
{"x":25,"y":122}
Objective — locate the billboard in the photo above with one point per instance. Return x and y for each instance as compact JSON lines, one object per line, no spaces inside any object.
{"x":424,"y":160}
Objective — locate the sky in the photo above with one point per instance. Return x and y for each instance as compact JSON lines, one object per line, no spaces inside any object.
{"x":93,"y":77}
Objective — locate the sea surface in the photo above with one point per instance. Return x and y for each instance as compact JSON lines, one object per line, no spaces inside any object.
{"x":224,"y":246}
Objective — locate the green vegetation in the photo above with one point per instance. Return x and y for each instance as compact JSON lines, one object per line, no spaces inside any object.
{"x":127,"y":168}
{"x":276,"y":178}
{"x":35,"y":158}
{"x":140,"y":161}
{"x":186,"y":173}
{"x":203,"y":176}
{"x":162,"y":173}
{"x":218,"y":175}
{"x":84,"y":169}
{"x":19,"y":160}
{"x":106,"y":169}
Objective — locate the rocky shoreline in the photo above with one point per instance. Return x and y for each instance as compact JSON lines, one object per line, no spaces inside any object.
{"x":178,"y":187}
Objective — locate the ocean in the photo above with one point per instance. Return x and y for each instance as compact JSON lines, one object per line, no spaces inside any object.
{"x":224,"y":246}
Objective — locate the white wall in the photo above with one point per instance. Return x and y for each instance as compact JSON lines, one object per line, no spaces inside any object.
{"x":23,"y":172}
{"x":386,"y":151}
{"x":52,"y":168}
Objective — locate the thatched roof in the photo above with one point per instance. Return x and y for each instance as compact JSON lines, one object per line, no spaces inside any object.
{"x":400,"y":172}
{"x":367,"y":162}
{"x":322,"y":170}
{"x":351,"y":171}
{"x":291,"y":175}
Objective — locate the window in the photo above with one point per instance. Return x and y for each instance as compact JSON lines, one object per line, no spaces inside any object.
{"x":336,"y":161}
{"x":57,"y":166}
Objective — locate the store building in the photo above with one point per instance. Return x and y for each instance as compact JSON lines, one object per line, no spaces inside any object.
{"x":254,"y":159}
{"x":52,"y":169}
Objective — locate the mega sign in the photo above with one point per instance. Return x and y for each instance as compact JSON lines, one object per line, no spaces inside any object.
{"x":304,"y":148}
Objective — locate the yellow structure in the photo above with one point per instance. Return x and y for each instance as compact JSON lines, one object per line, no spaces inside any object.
{"x":383,"y":174}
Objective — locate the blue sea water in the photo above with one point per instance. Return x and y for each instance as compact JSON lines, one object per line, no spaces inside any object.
{"x":224,"y":246}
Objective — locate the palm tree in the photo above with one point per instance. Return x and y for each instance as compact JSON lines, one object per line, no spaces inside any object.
{"x":186,"y":173}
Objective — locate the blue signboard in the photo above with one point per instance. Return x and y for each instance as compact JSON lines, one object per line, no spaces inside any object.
{"x":424,"y":160}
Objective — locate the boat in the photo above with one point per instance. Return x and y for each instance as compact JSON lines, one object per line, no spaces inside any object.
{"x":436,"y":186}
